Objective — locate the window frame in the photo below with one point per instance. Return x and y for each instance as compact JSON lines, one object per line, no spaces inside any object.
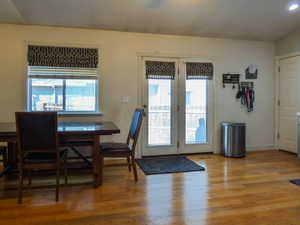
{"x":99,"y":90}
{"x":97,"y":93}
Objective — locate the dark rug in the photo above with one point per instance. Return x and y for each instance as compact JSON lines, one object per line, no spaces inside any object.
{"x":297,"y":182}
{"x":161,"y":165}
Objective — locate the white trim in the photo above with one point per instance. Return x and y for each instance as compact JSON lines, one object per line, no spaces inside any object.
{"x":157,"y":54}
{"x":290,"y":55}
{"x":260,"y":148}
{"x":72,"y":114}
{"x":276,"y":107}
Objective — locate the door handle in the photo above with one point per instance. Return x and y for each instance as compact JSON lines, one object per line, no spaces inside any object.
{"x":145,"y":107}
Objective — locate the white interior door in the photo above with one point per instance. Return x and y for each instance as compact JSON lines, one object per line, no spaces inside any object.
{"x":288,"y":103}
{"x":178,"y":113}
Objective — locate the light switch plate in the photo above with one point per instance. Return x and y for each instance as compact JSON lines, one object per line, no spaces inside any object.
{"x":125,"y":99}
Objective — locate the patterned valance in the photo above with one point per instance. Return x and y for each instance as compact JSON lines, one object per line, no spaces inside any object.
{"x":160,"y":70}
{"x":62,"y":56}
{"x":198,"y":71}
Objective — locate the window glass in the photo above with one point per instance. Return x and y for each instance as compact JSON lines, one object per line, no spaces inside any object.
{"x":65,"y":95}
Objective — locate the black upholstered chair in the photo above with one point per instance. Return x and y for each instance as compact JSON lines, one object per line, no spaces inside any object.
{"x":38,"y":146}
{"x":126,"y":150}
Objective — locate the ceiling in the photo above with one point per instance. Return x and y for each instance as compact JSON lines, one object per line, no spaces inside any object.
{"x":240,"y":19}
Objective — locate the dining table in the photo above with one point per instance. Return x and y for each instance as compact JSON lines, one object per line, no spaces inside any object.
{"x":66,"y":130}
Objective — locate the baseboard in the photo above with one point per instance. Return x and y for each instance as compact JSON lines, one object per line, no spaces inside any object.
{"x":248,"y":149}
{"x":260,"y":148}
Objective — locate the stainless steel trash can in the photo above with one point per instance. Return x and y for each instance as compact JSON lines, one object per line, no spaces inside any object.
{"x":233,"y":142}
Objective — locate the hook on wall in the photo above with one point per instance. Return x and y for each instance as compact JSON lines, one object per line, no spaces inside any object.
{"x":229,"y":78}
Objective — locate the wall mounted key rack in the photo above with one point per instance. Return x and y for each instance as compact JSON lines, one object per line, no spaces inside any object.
{"x":246,"y":84}
{"x":229,"y":78}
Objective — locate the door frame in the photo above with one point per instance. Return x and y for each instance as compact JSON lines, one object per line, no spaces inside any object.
{"x":277,"y":93}
{"x":141,"y":91}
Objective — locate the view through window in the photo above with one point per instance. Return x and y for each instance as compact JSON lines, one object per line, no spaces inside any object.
{"x":159,"y":119}
{"x":53,"y":91}
{"x":195,"y":112}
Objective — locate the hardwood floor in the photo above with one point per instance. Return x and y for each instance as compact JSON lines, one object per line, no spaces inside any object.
{"x":250,"y":191}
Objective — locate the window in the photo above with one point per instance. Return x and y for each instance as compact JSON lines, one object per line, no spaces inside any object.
{"x":58,"y":81}
{"x":56,"y":89}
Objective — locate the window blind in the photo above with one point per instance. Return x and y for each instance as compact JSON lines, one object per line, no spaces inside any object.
{"x":199,"y":70}
{"x":62,"y":72}
{"x":51,"y":56}
{"x":160,"y":70}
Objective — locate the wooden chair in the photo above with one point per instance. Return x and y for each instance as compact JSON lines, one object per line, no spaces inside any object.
{"x":3,"y":154}
{"x":126,"y":150}
{"x":38,"y":146}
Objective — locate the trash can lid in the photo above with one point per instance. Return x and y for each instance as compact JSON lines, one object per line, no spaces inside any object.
{"x":233,"y":124}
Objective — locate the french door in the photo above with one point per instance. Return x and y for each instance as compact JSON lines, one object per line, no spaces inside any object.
{"x":178,"y":111}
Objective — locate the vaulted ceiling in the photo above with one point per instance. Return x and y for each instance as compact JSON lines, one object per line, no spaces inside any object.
{"x":241,"y":19}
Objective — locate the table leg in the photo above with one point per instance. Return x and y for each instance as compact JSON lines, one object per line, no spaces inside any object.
{"x":12,"y":155}
{"x":11,"y":160}
{"x":97,"y":162}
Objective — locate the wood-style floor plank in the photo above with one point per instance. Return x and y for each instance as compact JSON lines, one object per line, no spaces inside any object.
{"x":250,"y":191}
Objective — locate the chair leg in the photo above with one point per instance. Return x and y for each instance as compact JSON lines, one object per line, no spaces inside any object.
{"x":29,"y":177}
{"x":57,"y":184}
{"x":134,"y":168}
{"x":4,"y":157}
{"x":129,"y":163}
{"x":66,"y":171}
{"x":20,"y":188}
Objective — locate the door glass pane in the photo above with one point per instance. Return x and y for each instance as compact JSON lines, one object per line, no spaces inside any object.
{"x":46,"y":94}
{"x":159,"y":112}
{"x":195,"y":112}
{"x":80,"y":95}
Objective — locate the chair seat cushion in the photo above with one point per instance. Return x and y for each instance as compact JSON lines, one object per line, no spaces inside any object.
{"x":114,"y":147}
{"x":43,"y":157}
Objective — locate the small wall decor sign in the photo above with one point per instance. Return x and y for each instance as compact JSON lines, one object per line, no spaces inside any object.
{"x":251,"y":72}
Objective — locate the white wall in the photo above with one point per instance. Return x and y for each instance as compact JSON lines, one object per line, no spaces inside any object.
{"x":289,"y":44}
{"x":119,"y":76}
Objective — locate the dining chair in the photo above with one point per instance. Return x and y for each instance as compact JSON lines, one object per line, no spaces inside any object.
{"x":126,"y":150}
{"x":38,"y":146}
{"x":3,"y":154}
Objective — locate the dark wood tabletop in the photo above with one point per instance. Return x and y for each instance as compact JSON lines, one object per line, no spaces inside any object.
{"x":69,"y":128}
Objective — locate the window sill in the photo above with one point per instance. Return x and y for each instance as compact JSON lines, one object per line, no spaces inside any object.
{"x":76,"y":114}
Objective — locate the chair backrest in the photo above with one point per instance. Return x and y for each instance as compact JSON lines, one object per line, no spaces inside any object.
{"x":37,"y":131}
{"x":135,"y":127}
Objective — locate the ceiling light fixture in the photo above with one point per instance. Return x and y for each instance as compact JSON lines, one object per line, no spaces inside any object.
{"x":293,"y":7}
